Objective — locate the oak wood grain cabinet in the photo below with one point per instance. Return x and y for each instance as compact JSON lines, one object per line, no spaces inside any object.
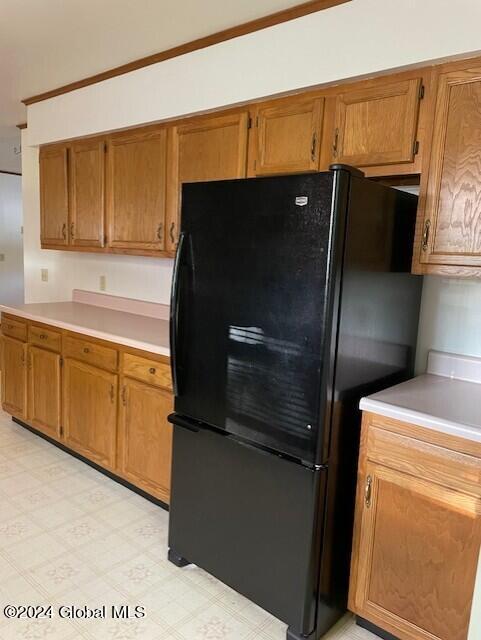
{"x":376,"y":125}
{"x":136,"y":171}
{"x":287,"y":135}
{"x":66,"y":386}
{"x":417,"y":530}
{"x":14,"y":377}
{"x":90,"y":411}
{"x":202,"y":149}
{"x":87,"y":193}
{"x":451,"y":231}
{"x":44,"y":390}
{"x":54,"y":200}
{"x":145,"y":437}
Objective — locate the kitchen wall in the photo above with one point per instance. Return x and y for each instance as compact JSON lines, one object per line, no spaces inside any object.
{"x":10,"y":157}
{"x":360,"y":37}
{"x":11,"y":240}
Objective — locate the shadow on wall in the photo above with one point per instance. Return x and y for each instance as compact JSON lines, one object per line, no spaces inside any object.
{"x":450,"y":318}
{"x":11,"y":240}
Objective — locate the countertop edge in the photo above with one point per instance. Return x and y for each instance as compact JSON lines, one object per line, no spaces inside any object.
{"x":108,"y":337}
{"x":419,"y":419}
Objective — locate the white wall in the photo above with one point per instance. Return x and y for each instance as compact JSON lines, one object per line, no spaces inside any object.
{"x":11,"y":240}
{"x":10,"y":157}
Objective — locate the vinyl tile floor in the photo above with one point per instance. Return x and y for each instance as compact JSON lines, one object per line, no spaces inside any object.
{"x":69,"y":536}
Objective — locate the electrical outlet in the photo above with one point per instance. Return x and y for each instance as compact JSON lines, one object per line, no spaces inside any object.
{"x":103,"y":283}
{"x":44,"y":275}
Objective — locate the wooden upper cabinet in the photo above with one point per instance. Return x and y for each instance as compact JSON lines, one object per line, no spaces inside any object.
{"x":377,"y":124}
{"x":54,"y":202}
{"x":452,"y":219}
{"x":14,"y":377}
{"x":208,"y":148}
{"x":44,"y":391}
{"x":87,"y":193}
{"x":287,"y":135}
{"x":136,"y":178}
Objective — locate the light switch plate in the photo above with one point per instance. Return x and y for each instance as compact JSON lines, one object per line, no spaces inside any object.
{"x":44,"y":275}
{"x":103,"y":283}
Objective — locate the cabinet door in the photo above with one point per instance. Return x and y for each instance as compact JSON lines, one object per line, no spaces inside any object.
{"x":288,"y":136}
{"x":54,"y":196}
{"x":377,"y":125}
{"x":90,"y":411}
{"x":211,"y":148}
{"x":44,"y":391}
{"x":417,"y":556}
{"x":452,"y":223}
{"x":136,"y":190}
{"x":87,"y":178}
{"x":14,"y":377}
{"x":145,"y":442}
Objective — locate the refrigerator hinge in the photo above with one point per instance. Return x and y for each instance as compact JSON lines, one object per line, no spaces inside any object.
{"x":416,"y":148}
{"x":421,"y":92}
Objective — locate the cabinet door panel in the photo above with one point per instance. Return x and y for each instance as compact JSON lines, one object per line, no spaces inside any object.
{"x":377,"y":125}
{"x":289,"y":136}
{"x":14,"y":377}
{"x":90,"y":411}
{"x":418,"y":552}
{"x":44,"y":391}
{"x":87,"y":171}
{"x":136,"y":190}
{"x":213,"y":148}
{"x":453,"y":199}
{"x":54,"y":196}
{"x":146,"y":437}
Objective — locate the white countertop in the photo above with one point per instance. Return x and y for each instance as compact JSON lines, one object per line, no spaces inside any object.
{"x":448,"y":400}
{"x":98,"y":321}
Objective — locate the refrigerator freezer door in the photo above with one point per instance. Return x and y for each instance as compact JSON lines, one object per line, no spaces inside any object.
{"x":250,"y":300}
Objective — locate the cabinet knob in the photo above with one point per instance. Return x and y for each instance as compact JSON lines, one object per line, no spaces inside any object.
{"x":86,"y":350}
{"x":368,"y":491}
{"x":152,"y":370}
{"x":42,"y":336}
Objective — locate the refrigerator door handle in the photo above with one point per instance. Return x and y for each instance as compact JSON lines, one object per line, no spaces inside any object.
{"x":174,"y":313}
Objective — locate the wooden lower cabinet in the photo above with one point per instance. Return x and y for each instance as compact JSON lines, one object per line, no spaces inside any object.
{"x":66,"y":386}
{"x":145,"y":437}
{"x":417,"y":533}
{"x":44,"y":389}
{"x":14,"y":377}
{"x":90,"y":411}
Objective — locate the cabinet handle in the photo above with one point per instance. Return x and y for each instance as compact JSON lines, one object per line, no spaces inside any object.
{"x":427,"y":227}
{"x":368,"y":492}
{"x":160,"y":228}
{"x":313,"y":147}
{"x":23,"y":359}
{"x":124,"y":395}
{"x":64,"y":231}
{"x":336,"y":141}
{"x":171,"y":232}
{"x":29,"y":365}
{"x":42,"y":336}
{"x":72,"y":230}
{"x":112,"y":393}
{"x":152,"y":370}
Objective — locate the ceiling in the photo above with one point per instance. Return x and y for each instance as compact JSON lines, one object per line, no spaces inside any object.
{"x":48,"y":43}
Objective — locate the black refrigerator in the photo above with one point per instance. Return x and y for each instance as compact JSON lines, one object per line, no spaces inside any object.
{"x":292,"y":297}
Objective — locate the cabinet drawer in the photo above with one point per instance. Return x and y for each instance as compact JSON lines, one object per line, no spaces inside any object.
{"x":155,"y":373}
{"x":14,"y":328}
{"x":458,"y":471}
{"x":46,"y":338}
{"x":90,"y":352}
